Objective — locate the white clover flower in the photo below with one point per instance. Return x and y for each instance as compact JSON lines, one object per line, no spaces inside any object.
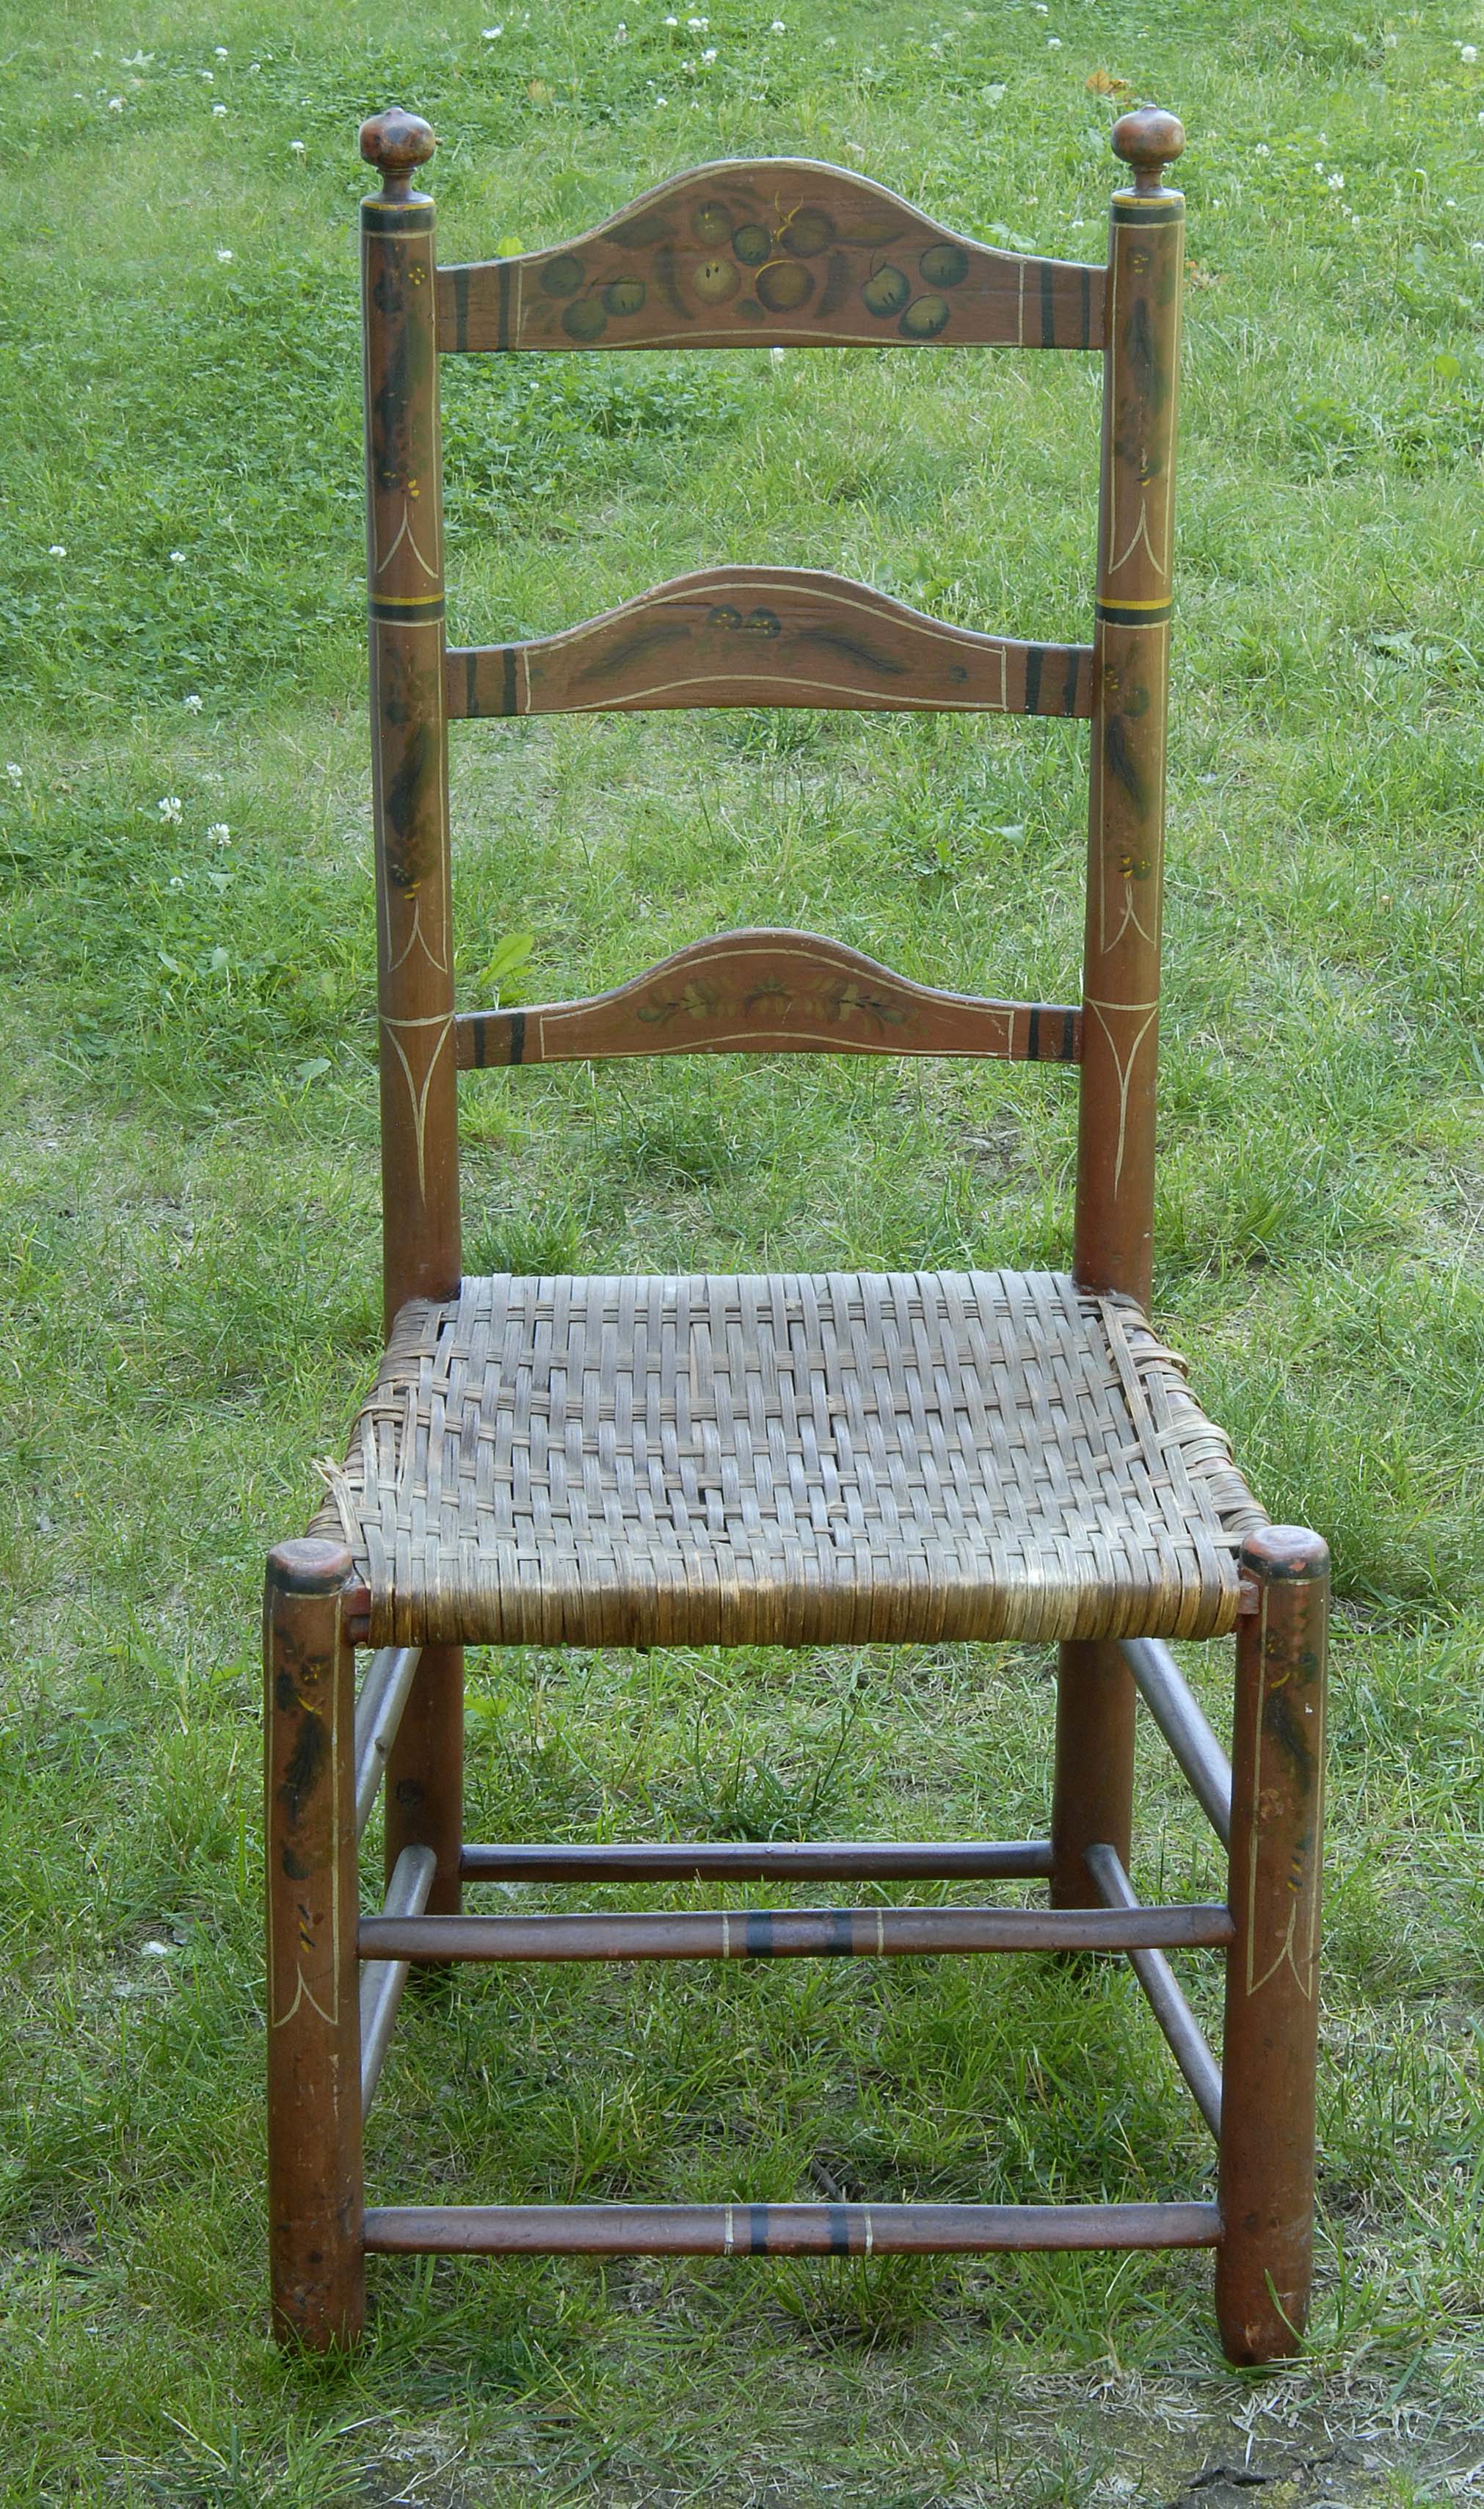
{"x":1053,"y":43}
{"x":778,"y":355}
{"x":492,"y":33}
{"x":1448,"y":204}
{"x":176,"y":879}
{"x":710,"y":52}
{"x":1262,"y":149}
{"x":221,"y":52}
{"x":1389,"y":43}
{"x":699,"y":25}
{"x":296,"y":148}
{"x":223,"y":252}
{"x":661,"y":100}
{"x":1469,"y":52}
{"x":1320,"y":167}
{"x":621,"y":33}
{"x":169,"y":807}
{"x":208,"y":75}
{"x":1336,"y":182}
{"x":58,"y":548}
{"x":192,"y":704}
{"x":254,"y":65}
{"x":177,"y":558}
{"x":116,"y":104}
{"x":778,"y":27}
{"x":13,"y":770}
{"x":672,"y":21}
{"x":219,"y":834}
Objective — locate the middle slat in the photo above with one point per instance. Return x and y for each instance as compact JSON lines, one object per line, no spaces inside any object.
{"x":768,"y":636}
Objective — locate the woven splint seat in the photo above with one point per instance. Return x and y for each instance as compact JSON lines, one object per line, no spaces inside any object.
{"x":848,"y":1457}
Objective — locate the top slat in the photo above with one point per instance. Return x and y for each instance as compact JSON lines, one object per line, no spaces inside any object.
{"x":778,"y":252}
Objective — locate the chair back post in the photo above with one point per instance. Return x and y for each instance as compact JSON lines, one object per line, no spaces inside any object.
{"x":1131,"y":684}
{"x":409,"y":734}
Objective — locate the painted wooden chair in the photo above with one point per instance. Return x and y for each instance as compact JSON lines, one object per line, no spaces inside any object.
{"x":804,"y":1460}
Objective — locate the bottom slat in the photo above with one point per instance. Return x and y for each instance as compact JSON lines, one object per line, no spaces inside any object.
{"x":780,"y":2230}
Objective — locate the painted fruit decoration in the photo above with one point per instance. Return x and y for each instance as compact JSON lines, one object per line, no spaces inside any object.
{"x":943,"y":265}
{"x":734,"y":251}
{"x":564,"y":275}
{"x":753,"y":243}
{"x":782,"y":286}
{"x":716,"y":281}
{"x":924,"y":318}
{"x":806,"y":231}
{"x":887,"y":290}
{"x":584,"y":321}
{"x":624,"y":295}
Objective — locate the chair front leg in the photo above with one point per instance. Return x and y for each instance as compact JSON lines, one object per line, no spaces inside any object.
{"x":1264,"y":2262}
{"x":1093,"y":1788}
{"x":315,"y":2184}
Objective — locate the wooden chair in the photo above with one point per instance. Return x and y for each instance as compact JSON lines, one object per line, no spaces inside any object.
{"x":805,"y":1460}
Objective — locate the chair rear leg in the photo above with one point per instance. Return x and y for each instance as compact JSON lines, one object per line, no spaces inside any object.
{"x":1092,"y":1789}
{"x":315,"y":2184}
{"x":425,"y":1775}
{"x":1264,"y":2262}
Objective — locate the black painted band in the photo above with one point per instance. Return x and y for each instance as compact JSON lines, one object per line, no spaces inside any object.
{"x":397,"y":218}
{"x":1116,"y":614}
{"x":1149,"y":214}
{"x":404,"y":613}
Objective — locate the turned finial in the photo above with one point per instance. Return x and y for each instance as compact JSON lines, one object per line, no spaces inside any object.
{"x":395,"y":142}
{"x":1148,"y":139}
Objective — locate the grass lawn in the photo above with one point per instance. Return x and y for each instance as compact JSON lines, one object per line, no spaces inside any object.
{"x":190,"y":1232}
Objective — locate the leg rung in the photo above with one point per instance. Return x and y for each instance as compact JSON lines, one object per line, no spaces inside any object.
{"x":381,"y":1981}
{"x":1178,"y":1714}
{"x":780,"y":2229}
{"x":770,"y":1859}
{"x":379,"y":1709}
{"x":783,"y":1933}
{"x":1182,"y":2031}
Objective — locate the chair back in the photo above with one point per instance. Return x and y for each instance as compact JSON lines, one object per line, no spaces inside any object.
{"x":776,"y":252}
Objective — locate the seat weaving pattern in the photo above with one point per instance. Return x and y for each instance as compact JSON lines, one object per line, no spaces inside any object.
{"x":807,"y":1458}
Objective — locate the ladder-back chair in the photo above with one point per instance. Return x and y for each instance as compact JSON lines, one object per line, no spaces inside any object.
{"x":798,"y":1459}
